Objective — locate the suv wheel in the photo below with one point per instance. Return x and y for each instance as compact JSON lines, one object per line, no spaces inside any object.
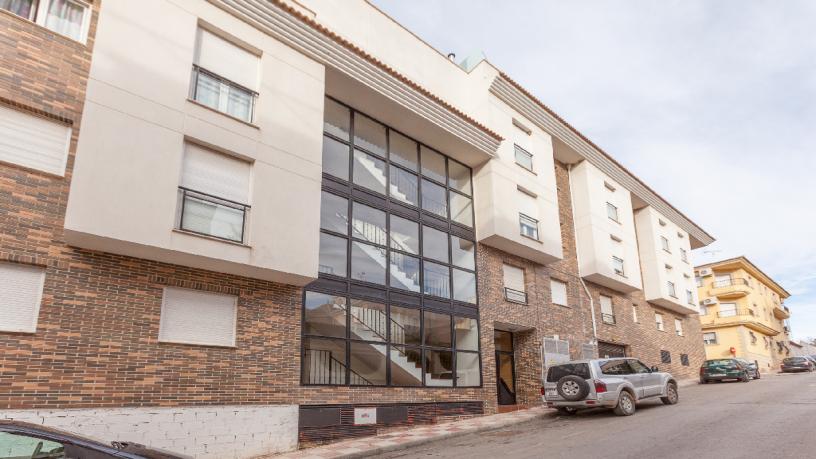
{"x":626,"y":404}
{"x":672,"y":396}
{"x":572,"y":388}
{"x":745,"y":377}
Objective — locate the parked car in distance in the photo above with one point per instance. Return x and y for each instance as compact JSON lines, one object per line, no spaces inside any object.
{"x":812,"y":360}
{"x":31,"y":441}
{"x":618,"y":384}
{"x":753,"y":368}
{"x":724,"y":369}
{"x":795,"y":364}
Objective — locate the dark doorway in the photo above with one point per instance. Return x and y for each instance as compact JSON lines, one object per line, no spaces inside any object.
{"x":607,"y":350}
{"x":505,"y":367}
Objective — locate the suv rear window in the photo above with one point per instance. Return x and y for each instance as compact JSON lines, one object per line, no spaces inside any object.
{"x":559,"y":371}
{"x":719,"y":363}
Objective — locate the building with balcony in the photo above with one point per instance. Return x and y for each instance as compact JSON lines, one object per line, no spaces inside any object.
{"x":268,"y":217}
{"x":742,"y":312}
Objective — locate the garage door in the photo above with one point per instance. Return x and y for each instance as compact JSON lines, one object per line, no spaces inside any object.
{"x":606,"y":350}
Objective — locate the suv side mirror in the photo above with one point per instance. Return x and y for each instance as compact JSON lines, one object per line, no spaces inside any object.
{"x":654,"y":369}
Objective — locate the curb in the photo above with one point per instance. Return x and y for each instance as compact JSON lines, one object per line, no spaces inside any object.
{"x":422,"y":441}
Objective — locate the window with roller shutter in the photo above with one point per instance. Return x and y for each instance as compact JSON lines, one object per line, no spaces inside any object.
{"x":33,"y":142}
{"x":514,"y":284}
{"x":22,"y":287}
{"x":195,"y":317}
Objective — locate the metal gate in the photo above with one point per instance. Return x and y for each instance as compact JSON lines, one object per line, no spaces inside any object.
{"x":606,"y":350}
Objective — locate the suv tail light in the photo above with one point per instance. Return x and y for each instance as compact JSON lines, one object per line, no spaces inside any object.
{"x":600,"y":386}
{"x":702,"y":370}
{"x":542,"y":390}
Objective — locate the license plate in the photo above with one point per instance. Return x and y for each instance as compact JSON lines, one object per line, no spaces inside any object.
{"x":550,"y":393}
{"x":717,"y":375}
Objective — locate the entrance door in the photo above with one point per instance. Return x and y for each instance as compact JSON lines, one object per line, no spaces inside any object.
{"x":609,"y":350}
{"x":505,"y":368}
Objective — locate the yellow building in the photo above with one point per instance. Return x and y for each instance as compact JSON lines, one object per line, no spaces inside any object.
{"x":742,"y":313}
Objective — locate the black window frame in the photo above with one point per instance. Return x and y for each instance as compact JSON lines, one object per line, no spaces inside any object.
{"x":665,"y":357}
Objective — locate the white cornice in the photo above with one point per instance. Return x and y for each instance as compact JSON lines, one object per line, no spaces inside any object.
{"x":275,"y":21}
{"x":521,"y":102}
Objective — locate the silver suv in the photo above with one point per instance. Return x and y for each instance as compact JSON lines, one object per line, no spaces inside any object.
{"x":611,"y":383}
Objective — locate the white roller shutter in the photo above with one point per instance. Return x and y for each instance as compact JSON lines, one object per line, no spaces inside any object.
{"x":513,"y":277}
{"x":194,"y":317}
{"x":214,"y":173}
{"x":606,"y":305}
{"x":21,"y":287}
{"x":528,"y":205}
{"x":227,"y":60}
{"x":559,"y":292}
{"x":34,"y":142}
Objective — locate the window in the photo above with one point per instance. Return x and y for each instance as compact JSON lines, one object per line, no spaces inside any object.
{"x":195,"y":317}
{"x":612,"y":212}
{"x":665,"y":243}
{"x":225,"y":76}
{"x":524,"y":158}
{"x":65,"y":17}
{"x":684,"y":360}
{"x":678,"y":327}
{"x":634,"y":313}
{"x":214,"y":194}
{"x":421,"y":348}
{"x":33,"y":142}
{"x":665,"y":356}
{"x":528,"y":214}
{"x":617,"y":265}
{"x":659,"y":321}
{"x":514,"y":284}
{"x":23,"y":445}
{"x":22,"y":287}
{"x":529,"y":226}
{"x":710,"y":338}
{"x":684,"y":255}
{"x":728,"y":309}
{"x":671,"y":288}
{"x":607,"y":312}
{"x":699,"y":281}
{"x":559,"y":292}
{"x":690,"y":297}
{"x":703,"y":309}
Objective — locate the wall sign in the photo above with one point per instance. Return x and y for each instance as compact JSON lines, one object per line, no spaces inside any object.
{"x":363,"y":416}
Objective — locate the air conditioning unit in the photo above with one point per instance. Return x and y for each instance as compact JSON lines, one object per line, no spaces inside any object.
{"x":705,"y":272}
{"x":709,"y":301}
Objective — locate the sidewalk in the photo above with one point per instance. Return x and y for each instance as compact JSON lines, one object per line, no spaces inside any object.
{"x":396,"y":440}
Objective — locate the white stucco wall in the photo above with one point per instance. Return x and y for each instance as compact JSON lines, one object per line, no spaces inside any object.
{"x":595,"y":230}
{"x":216,"y":432}
{"x":137,"y":117}
{"x":654,"y":259}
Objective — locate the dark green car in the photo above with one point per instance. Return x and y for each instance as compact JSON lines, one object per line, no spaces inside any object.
{"x":723,"y":369}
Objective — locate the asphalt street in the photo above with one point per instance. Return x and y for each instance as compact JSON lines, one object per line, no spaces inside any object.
{"x":771,"y":417}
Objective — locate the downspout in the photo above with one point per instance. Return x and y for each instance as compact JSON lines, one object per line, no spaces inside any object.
{"x":578,"y":259}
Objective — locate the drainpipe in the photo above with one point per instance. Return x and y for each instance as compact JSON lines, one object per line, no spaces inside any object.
{"x":578,"y":258}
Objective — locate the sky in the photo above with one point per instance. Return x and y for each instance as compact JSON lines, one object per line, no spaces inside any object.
{"x":712,"y":103}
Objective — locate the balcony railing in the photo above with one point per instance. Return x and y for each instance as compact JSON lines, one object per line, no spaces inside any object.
{"x":735,"y":312}
{"x":729,"y":282}
{"x":515,"y":296}
{"x":608,"y":318}
{"x":222,"y":94}
{"x":209,"y":215}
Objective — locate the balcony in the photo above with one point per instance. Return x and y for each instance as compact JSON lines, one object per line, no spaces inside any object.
{"x":730,"y":288}
{"x":780,"y":311}
{"x":744,"y":317}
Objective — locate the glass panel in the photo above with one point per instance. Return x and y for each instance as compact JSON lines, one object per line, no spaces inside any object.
{"x":22,"y":446}
{"x":403,"y":150}
{"x":367,"y":364}
{"x":369,"y":172}
{"x":463,"y":253}
{"x":507,"y":386}
{"x":65,"y":17}
{"x":404,"y":235}
{"x":467,"y":369}
{"x":406,"y":366}
{"x":437,"y":280}
{"x":336,"y":119}
{"x":405,"y":326}
{"x":403,"y":186}
{"x":324,"y":361}
{"x":208,"y":90}
{"x":434,"y":244}
{"x":335,"y":158}
{"x":404,"y":272}
{"x":239,"y":103}
{"x":333,"y":251}
{"x":368,"y":224}
{"x":464,"y":286}
{"x":437,"y":331}
{"x":369,"y":134}
{"x":459,"y":177}
{"x":467,"y":333}
{"x":207,"y":217}
{"x":433,"y":164}
{"x":334,"y":213}
{"x":438,"y":368}
{"x":503,"y":340}
{"x":528,"y":226}
{"x":524,"y":158}
{"x":461,"y":209}
{"x":24,"y":8}
{"x":433,"y":199}
{"x":324,"y":315}
{"x":367,"y":263}
{"x":368,"y":321}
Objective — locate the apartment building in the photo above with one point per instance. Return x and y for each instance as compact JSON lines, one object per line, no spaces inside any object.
{"x":279,"y":228}
{"x":742,"y":313}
